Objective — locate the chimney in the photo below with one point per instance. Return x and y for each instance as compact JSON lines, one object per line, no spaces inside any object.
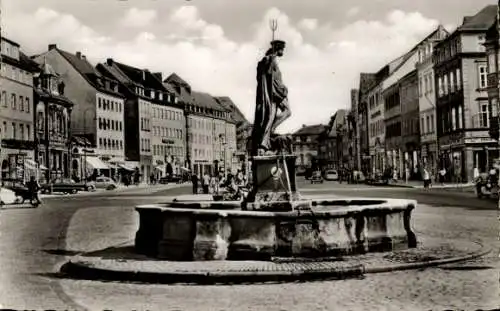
{"x":303,"y":125}
{"x":79,"y":55}
{"x":109,"y":61}
{"x":52,"y":46}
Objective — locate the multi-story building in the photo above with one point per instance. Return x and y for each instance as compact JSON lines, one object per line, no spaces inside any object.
{"x":355,"y":128}
{"x":16,"y":113}
{"x":98,"y":113}
{"x":154,"y":123}
{"x":366,"y":82}
{"x":210,"y":142}
{"x":410,"y":132}
{"x":427,"y":100}
{"x":333,"y":142}
{"x":242,"y":130}
{"x":393,"y":128}
{"x":460,"y":67}
{"x":493,"y":59}
{"x":53,"y":123}
{"x":305,"y":145}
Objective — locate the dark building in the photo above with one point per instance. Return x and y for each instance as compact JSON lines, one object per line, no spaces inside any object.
{"x":53,"y":124}
{"x":462,"y":99}
{"x":366,"y":82}
{"x":333,"y":142}
{"x":305,"y":145}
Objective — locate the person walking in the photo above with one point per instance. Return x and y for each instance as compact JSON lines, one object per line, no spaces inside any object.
{"x":206,"y":183}
{"x":427,"y":178}
{"x":194,"y":179}
{"x":33,"y":188}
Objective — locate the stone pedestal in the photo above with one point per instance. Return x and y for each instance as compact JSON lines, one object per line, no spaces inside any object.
{"x":270,"y":182}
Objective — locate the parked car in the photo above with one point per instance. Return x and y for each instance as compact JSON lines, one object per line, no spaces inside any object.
{"x":316,"y":177}
{"x":105,"y":183}
{"x":65,"y":185}
{"x":331,"y":175}
{"x":7,"y":197}
{"x":17,"y":186}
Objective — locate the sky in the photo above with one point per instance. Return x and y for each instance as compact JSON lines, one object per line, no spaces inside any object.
{"x":215,"y":44}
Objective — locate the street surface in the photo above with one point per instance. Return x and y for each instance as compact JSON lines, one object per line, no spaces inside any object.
{"x":35,"y":242}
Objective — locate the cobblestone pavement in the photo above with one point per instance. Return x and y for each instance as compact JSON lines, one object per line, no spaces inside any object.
{"x":32,"y":239}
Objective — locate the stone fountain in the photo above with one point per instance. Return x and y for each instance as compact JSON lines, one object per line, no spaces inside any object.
{"x":275,"y":220}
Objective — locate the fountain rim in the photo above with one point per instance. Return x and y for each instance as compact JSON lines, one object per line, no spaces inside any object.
{"x":203,"y":207}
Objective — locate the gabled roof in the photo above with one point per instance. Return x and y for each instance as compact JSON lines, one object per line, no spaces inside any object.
{"x":315,"y":129}
{"x":206,"y":100}
{"x":337,"y":120}
{"x":236,"y":113}
{"x":175,"y":79}
{"x":141,"y":76}
{"x":481,"y":20}
{"x":91,"y":74}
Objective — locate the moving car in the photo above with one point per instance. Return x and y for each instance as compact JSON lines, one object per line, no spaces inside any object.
{"x":8,"y":197}
{"x":316,"y":177}
{"x":103,"y":182}
{"x":331,"y":175}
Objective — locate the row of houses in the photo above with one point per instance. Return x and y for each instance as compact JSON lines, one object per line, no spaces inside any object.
{"x":432,"y":106}
{"x":62,"y":116}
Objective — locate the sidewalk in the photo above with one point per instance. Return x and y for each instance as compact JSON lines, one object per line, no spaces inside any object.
{"x":420,"y":185}
{"x":121,"y":188}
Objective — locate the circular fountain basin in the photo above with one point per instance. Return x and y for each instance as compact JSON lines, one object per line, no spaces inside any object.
{"x":196,"y":231}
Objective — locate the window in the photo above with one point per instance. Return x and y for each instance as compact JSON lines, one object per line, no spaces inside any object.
{"x":452,"y":81}
{"x":431,"y":82}
{"x":99,"y":103}
{"x":421,"y":87}
{"x":453,"y":118}
{"x":459,"y":79}
{"x":445,"y":85}
{"x":460,"y":117}
{"x":483,"y":81}
{"x":440,"y":86}
{"x":27,"y":104}
{"x":428,"y":125}
{"x":100,"y":141}
{"x":28,"y":132}
{"x":21,"y":103}
{"x":21,"y":131}
{"x":422,"y":125}
{"x":483,"y":115}
{"x":13,"y":101}
{"x":13,"y":126}
{"x":4,"y":98}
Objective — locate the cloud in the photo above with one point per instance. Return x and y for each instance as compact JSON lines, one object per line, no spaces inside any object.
{"x":201,"y":53}
{"x":137,"y":18}
{"x":308,"y":24}
{"x":353,"y":11}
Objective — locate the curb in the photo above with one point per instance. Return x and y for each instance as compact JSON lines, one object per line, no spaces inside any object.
{"x":432,"y":263}
{"x":118,"y":190}
{"x":80,"y":270}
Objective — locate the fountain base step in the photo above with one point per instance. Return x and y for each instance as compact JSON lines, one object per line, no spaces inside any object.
{"x":124,"y":264}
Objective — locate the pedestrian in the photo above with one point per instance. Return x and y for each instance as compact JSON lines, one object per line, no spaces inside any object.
{"x":442,"y":174}
{"x":33,"y":188}
{"x":194,"y":179}
{"x":427,"y":178}
{"x":206,"y":183}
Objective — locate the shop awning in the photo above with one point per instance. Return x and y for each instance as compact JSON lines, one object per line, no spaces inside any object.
{"x":127,"y":167}
{"x":32,"y":165}
{"x":97,"y":163}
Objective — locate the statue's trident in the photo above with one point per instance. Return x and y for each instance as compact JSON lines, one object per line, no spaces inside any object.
{"x":273,"y":25}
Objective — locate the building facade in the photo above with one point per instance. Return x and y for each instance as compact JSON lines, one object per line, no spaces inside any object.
{"x":410,"y":126}
{"x":366,"y":82}
{"x":393,"y":128}
{"x":97,"y":116}
{"x":355,"y":128}
{"x":52,"y":125}
{"x":306,"y":145}
{"x":427,"y":101}
{"x":154,"y":123}
{"x":17,"y":157}
{"x":462,"y":100}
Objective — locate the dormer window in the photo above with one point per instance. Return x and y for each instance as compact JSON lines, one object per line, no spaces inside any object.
{"x":152,"y":94}
{"x":160,"y":96}
{"x":175,"y":99}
